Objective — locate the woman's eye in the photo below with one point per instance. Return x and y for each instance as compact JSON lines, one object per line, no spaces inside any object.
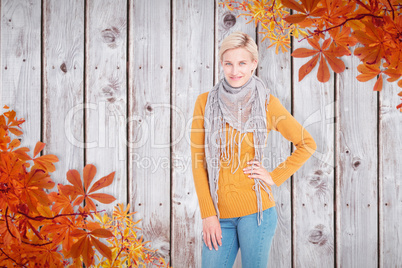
{"x":227,"y":63}
{"x":242,"y":63}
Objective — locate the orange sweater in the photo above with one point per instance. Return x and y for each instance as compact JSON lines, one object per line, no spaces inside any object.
{"x":236,"y":198}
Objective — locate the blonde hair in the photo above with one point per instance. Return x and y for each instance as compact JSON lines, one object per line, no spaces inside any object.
{"x":236,"y":40}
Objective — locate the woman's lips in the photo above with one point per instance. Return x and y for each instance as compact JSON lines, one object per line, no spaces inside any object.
{"x":235,"y":77}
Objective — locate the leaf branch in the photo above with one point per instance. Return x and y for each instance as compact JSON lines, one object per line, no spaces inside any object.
{"x":358,"y":17}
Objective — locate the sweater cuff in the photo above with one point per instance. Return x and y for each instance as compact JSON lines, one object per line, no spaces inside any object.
{"x":207,"y":208}
{"x":280,"y":175}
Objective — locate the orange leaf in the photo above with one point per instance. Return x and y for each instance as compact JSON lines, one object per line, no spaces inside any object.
{"x":103,"y":198}
{"x":79,"y":200}
{"x":77,"y":248}
{"x":326,"y":44}
{"x":393,"y":74}
{"x":89,"y":174}
{"x":314,"y":43}
{"x":15,"y":131}
{"x":310,"y":5}
{"x":22,"y":153}
{"x":90,"y":204}
{"x":306,"y":68}
{"x":102,"y":248}
{"x":38,"y":148}
{"x":102,"y":233}
{"x":337,"y":65}
{"x":75,"y":179}
{"x":378,"y":84}
{"x":293,"y":5}
{"x":303,"y":53}
{"x":103,"y":182}
{"x":45,"y":162}
{"x":14,"y":143}
{"x":368,"y":72}
{"x":399,"y":84}
{"x":88,"y":253}
{"x":61,"y":200}
{"x":323,"y":74}
{"x":296,"y":18}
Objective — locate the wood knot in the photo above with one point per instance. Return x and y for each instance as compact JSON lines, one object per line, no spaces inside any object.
{"x":149,"y":108}
{"x":109,"y":36}
{"x":316,"y":180}
{"x":356,"y":163}
{"x":229,"y":20}
{"x":63,"y":67}
{"x":108,"y":91}
{"x":317,"y":236}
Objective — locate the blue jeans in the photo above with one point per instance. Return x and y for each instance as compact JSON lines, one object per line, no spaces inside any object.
{"x":243,"y":232}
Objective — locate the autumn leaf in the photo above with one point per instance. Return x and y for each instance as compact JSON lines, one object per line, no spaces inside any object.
{"x":63,"y":199}
{"x":38,"y":148}
{"x":87,"y":194}
{"x":32,"y":191}
{"x":323,"y":74}
{"x":306,"y":9}
{"x":368,"y":72}
{"x":327,"y":52}
{"x":45,"y":162}
{"x":378,"y":84}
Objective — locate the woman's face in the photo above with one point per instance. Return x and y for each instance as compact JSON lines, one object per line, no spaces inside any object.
{"x":238,"y":65}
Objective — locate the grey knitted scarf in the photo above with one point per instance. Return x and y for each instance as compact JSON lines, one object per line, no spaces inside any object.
{"x":244,"y":109}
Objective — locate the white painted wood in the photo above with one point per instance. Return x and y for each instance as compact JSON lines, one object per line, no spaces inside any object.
{"x":228,"y":22}
{"x":21,"y":64}
{"x":275,"y":71}
{"x":390,"y":167}
{"x":192,"y":74}
{"x":313,"y":216}
{"x":63,"y":71}
{"x":356,"y":188}
{"x":106,"y":92}
{"x":149,"y":118}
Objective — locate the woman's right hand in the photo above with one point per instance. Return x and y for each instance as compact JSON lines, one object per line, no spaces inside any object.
{"x":212,"y":233}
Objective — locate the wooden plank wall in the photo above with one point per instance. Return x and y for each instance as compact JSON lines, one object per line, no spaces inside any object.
{"x":114,"y":83}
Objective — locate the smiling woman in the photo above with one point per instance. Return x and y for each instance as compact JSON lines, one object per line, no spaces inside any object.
{"x":238,"y":66}
{"x":230,"y":127}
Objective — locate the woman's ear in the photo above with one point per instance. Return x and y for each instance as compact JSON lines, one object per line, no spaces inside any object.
{"x":255,"y":63}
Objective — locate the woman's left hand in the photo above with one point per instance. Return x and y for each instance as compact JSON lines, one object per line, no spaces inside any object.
{"x":257,"y":171}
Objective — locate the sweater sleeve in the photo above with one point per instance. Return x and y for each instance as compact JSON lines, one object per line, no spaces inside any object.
{"x":281,"y":120}
{"x":200,"y":174}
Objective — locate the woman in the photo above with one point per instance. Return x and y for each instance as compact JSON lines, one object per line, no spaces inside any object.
{"x":229,"y":131}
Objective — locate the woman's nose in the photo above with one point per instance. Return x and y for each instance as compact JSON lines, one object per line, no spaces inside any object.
{"x":234,"y":69}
